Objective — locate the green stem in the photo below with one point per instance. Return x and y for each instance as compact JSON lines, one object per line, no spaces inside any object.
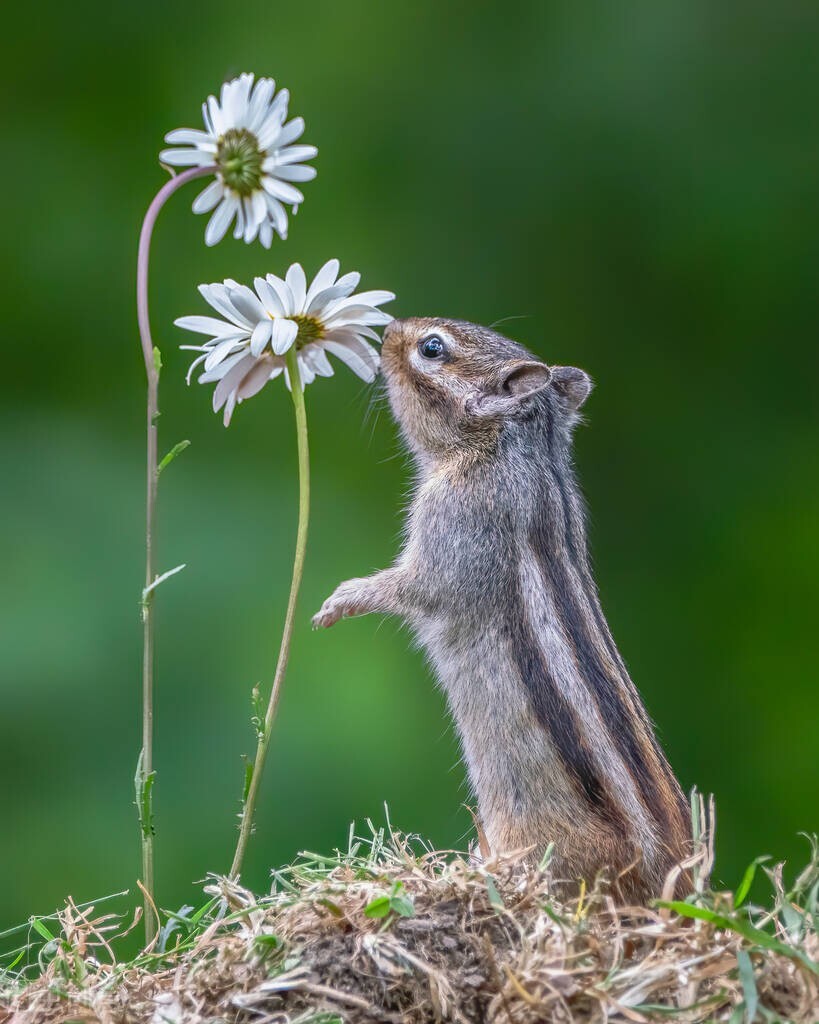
{"x":246,"y":827}
{"x":145,"y":770}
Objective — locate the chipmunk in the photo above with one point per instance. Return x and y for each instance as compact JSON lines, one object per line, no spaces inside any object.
{"x":494,"y":578}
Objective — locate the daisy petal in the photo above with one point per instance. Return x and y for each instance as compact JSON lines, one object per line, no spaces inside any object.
{"x":216,"y":118}
{"x":322,"y":300}
{"x":246,"y":302}
{"x":239,"y":226}
{"x":305,"y":372}
{"x":375,"y":298}
{"x":218,"y":296}
{"x":268,"y":298}
{"x":185,"y":157}
{"x":359,"y":367}
{"x":269,"y":133}
{"x":283,"y":335}
{"x":297,"y":283}
{"x":367,"y":332}
{"x":294,"y":155}
{"x":208,"y":197}
{"x":325,"y":278}
{"x":259,"y":206}
{"x":231,"y":380}
{"x":351,"y":339}
{"x":191,"y":137}
{"x":278,"y":108}
{"x":278,"y":215}
{"x":246,"y":227}
{"x":218,"y":372}
{"x":193,"y":366}
{"x":281,"y":190}
{"x":207,"y":120}
{"x":284,"y":294}
{"x":255,"y":380}
{"x":316,"y":358}
{"x":230,"y":405}
{"x":217,"y":354}
{"x":219,"y":221}
{"x":259,"y":103}
{"x":205,"y":325}
{"x":359,"y":314}
{"x":260,"y":337}
{"x":350,"y":281}
{"x":297,"y":172}
{"x":290,"y":132}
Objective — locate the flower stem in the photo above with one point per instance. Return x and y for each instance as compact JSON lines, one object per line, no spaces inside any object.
{"x":145,"y":769}
{"x":246,"y":826}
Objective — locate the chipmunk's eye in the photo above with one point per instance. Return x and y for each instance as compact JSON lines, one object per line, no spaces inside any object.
{"x":431,"y":347}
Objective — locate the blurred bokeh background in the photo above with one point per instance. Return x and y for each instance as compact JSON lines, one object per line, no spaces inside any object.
{"x":636,"y":186}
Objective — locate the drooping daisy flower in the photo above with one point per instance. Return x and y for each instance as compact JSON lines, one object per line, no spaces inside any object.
{"x":248,"y":142}
{"x":247,"y":348}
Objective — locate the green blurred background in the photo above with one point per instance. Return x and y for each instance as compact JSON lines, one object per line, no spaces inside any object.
{"x":638,"y":184}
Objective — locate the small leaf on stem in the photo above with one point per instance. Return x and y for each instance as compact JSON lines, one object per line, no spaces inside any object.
{"x":144,"y":784}
{"x":248,"y":779}
{"x":257,"y":718}
{"x":146,"y":593}
{"x":177,"y":449}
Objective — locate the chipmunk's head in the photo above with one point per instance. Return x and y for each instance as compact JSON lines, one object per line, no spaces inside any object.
{"x":453,"y":385}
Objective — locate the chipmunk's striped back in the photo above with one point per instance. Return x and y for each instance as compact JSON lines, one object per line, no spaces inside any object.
{"x":577,"y":681}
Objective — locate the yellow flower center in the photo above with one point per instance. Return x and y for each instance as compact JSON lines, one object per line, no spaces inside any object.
{"x":310,"y":329}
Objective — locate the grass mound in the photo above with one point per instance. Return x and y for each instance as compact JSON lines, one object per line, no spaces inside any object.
{"x":393,"y":931}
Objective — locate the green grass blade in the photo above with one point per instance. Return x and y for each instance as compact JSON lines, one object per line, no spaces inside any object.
{"x":742,"y":927}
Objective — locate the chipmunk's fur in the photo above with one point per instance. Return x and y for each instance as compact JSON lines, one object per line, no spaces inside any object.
{"x":495,"y":579}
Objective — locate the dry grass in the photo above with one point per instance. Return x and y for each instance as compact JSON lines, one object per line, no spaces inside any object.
{"x":393,"y":931}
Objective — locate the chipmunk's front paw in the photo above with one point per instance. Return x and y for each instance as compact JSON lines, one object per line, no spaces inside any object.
{"x":343,"y":602}
{"x":328,"y":615}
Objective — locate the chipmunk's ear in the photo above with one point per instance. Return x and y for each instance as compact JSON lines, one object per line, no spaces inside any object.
{"x":517,"y":380}
{"x":573,"y":385}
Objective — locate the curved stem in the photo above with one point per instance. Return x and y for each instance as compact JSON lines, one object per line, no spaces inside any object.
{"x":145,"y":770}
{"x":246,"y":826}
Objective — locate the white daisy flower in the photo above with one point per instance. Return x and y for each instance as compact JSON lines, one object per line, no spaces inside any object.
{"x":248,"y":142}
{"x":247,"y":347}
